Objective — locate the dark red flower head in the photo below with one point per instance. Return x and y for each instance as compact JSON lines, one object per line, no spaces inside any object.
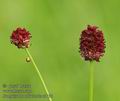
{"x":92,"y":44}
{"x":21,"y":38}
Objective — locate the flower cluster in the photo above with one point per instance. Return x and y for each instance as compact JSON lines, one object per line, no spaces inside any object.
{"x":20,"y":38}
{"x":92,"y":44}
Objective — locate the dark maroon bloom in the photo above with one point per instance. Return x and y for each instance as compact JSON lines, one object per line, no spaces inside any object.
{"x":92,"y":44}
{"x":21,"y":38}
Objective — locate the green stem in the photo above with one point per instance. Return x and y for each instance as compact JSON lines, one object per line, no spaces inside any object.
{"x":91,"y":83}
{"x":39,"y":74}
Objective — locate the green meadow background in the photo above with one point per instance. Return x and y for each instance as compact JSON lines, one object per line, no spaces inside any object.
{"x":55,"y":26}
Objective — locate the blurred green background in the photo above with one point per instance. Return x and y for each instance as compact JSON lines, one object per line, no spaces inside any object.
{"x":55,"y":26}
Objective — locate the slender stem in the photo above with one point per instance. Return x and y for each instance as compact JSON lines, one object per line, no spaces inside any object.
{"x":91,"y":83}
{"x":39,"y":74}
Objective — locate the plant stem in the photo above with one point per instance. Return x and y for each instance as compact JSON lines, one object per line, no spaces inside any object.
{"x":91,"y":83}
{"x":39,"y":74}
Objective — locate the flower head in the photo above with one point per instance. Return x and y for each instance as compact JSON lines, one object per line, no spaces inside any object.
{"x":92,"y":44}
{"x":20,"y":38}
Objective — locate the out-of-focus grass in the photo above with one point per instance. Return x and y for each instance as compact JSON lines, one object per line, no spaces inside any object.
{"x":55,"y":26}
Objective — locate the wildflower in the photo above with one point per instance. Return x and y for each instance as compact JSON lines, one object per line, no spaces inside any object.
{"x":92,"y":43}
{"x":20,"y":38}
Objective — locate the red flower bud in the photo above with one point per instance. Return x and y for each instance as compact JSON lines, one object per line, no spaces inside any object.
{"x":92,"y":44}
{"x":20,"y":38}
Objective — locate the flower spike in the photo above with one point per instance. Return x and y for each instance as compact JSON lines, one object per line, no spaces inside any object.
{"x":20,"y":38}
{"x":92,"y":43}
